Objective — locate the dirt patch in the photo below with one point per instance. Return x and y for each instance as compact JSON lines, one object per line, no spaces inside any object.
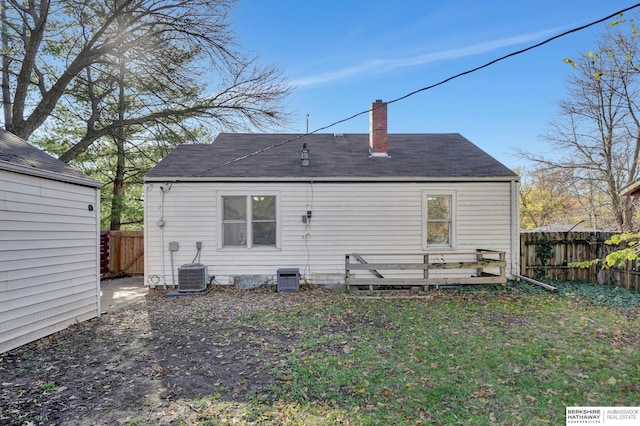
{"x":135,"y":364}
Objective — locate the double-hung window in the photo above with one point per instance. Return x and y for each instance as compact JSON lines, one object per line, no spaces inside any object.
{"x":249,"y":221}
{"x":439,"y":219}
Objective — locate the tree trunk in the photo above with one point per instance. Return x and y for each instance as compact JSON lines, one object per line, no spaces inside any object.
{"x":117,"y":202}
{"x":6,"y":90}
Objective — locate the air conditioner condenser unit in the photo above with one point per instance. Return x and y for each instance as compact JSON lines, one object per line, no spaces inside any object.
{"x":192,"y":277}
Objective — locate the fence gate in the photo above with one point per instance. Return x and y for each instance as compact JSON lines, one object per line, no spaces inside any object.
{"x":125,"y":252}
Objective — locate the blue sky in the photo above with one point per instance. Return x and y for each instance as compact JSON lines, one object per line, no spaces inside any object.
{"x":342,"y":55}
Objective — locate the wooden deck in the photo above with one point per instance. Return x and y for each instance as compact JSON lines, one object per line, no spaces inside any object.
{"x":424,"y":270}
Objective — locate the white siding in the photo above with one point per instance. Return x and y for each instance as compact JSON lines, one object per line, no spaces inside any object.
{"x":49,"y":257}
{"x":347,"y":218}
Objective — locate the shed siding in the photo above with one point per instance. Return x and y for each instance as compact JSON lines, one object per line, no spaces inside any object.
{"x":48,"y":257}
{"x":347,"y":218}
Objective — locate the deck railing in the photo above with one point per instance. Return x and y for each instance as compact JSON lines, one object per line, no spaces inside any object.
{"x":425,"y":269}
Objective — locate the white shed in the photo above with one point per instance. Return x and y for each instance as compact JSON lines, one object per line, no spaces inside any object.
{"x":256,"y":203}
{"x":49,"y":244}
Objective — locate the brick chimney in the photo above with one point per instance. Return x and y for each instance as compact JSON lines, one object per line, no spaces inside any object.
{"x":378,"y":129}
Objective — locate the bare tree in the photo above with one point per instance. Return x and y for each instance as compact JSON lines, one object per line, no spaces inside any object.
{"x":597,"y":129}
{"x":128,"y":73}
{"x":180,"y":55}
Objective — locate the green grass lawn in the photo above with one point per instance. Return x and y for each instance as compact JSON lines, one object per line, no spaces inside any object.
{"x":510,"y":356}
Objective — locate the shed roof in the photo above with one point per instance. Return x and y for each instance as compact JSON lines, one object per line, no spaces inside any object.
{"x":632,"y":190}
{"x":252,"y":156}
{"x":18,"y":156}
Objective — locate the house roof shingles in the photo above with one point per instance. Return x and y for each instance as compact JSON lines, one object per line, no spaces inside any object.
{"x":16,"y":155}
{"x":341,"y":156}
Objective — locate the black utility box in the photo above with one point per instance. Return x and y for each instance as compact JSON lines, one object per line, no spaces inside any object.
{"x":288,"y":280}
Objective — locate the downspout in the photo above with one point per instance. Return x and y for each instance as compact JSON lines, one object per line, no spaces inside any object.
{"x":515,"y":229}
{"x":145,"y":241}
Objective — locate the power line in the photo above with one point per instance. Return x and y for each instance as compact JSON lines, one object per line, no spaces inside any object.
{"x":446,"y":80}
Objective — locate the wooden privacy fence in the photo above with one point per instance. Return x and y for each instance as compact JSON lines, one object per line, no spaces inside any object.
{"x":390,"y":270}
{"x":547,"y":255}
{"x":543,"y":255}
{"x":125,"y":252}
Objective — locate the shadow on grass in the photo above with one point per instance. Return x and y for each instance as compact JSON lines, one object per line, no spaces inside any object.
{"x":490,"y":355}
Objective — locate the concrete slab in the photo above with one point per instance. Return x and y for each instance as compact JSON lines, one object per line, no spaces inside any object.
{"x":117,"y":293}
{"x":176,"y":293}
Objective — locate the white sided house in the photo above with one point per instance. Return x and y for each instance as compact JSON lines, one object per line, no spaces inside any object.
{"x":249,"y":205}
{"x":49,"y":244}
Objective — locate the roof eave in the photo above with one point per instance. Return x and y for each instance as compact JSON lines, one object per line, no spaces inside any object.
{"x":515,"y":178}
{"x":11,"y":167}
{"x":632,"y":190}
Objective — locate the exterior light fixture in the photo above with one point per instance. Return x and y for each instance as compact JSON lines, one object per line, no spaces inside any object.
{"x":307,"y":217}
